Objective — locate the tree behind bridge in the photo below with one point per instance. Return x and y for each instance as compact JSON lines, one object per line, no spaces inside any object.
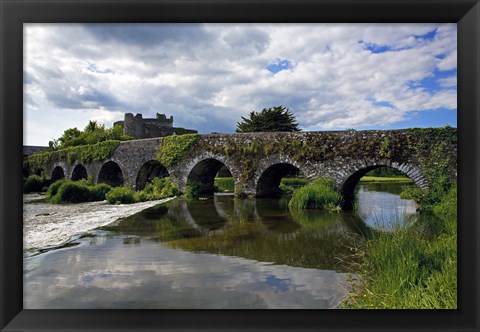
{"x":277,"y":118}
{"x":93,"y":133}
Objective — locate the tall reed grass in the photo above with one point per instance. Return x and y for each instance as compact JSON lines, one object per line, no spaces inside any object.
{"x":412,"y":267}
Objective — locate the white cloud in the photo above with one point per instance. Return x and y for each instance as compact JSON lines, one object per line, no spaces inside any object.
{"x":207,"y":76}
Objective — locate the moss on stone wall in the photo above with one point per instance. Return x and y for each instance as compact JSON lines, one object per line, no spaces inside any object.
{"x":248,"y":150}
{"x":175,"y":148}
{"x":84,"y":154}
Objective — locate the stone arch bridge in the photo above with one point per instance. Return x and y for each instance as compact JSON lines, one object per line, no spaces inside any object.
{"x":258,"y":161}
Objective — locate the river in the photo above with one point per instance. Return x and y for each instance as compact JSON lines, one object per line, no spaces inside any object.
{"x":216,"y":253}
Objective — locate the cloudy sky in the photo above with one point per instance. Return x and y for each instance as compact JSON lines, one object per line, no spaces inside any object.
{"x":331,"y":76}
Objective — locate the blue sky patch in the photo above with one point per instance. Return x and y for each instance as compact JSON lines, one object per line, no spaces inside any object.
{"x":380,"y":103}
{"x":431,"y":83}
{"x":279,"y":65}
{"x":375,"y":48}
{"x":432,"y":118}
{"x":428,"y":36}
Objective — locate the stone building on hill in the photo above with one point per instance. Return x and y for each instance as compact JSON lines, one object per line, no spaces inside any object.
{"x":138,"y":127}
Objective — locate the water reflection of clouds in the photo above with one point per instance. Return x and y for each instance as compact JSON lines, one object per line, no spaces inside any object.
{"x":384,"y":210}
{"x":153,"y":276}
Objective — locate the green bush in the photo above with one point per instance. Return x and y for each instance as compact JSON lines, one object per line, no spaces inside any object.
{"x":67,"y":191}
{"x":34,"y":183}
{"x":142,"y":196}
{"x":72,"y":192}
{"x":159,"y":188}
{"x":99,"y":192}
{"x":321,"y":194}
{"x":120,"y":195}
{"x":53,"y":189}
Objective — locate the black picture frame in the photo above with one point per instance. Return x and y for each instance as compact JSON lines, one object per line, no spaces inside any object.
{"x":466,"y":13}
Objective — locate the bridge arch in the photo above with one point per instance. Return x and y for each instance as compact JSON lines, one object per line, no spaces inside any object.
{"x":348,"y":183}
{"x":205,"y":167}
{"x":271,"y":171}
{"x":148,"y":171}
{"x":57,"y":173}
{"x":111,"y":174}
{"x":79,"y":173}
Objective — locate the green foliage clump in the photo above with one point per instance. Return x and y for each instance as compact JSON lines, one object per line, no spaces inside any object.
{"x":53,"y":189}
{"x":66,"y":191}
{"x":159,"y":188}
{"x":386,"y":148}
{"x":99,"y":191}
{"x":84,"y":154}
{"x":277,"y":118}
{"x":120,"y":195}
{"x":34,"y":183}
{"x":193,"y":190}
{"x":174,"y":148}
{"x":92,"y":134}
{"x":72,"y":192}
{"x":437,"y":170}
{"x":289,"y":185}
{"x":320,"y":194}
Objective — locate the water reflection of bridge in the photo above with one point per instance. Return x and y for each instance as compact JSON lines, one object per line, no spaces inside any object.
{"x":259,"y":229}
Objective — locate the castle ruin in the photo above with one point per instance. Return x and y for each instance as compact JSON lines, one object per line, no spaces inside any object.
{"x":138,"y":127}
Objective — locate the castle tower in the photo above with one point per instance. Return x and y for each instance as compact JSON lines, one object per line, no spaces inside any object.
{"x":133,"y":125}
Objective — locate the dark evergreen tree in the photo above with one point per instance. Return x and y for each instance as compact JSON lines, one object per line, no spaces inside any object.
{"x":277,"y":118}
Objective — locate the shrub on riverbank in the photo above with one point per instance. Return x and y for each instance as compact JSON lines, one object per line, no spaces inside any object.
{"x":53,"y":189}
{"x":159,"y":188}
{"x":66,"y":191}
{"x":412,"y":267}
{"x":320,"y":194}
{"x":34,"y":183}
{"x":120,"y":195}
{"x":72,"y":192}
{"x":99,"y":191}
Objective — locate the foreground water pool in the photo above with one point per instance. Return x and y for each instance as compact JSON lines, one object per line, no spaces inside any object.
{"x":216,"y":253}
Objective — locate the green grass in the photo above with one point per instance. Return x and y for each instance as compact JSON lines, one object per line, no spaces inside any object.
{"x":320,"y":194}
{"x":225,"y":184}
{"x":412,"y":267}
{"x":289,"y":185}
{"x":384,"y":179}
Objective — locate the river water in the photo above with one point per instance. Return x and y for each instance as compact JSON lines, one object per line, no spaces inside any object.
{"x":215,"y":253}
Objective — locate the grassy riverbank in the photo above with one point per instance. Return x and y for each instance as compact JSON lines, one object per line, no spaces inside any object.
{"x":385,"y":179}
{"x":412,"y":267}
